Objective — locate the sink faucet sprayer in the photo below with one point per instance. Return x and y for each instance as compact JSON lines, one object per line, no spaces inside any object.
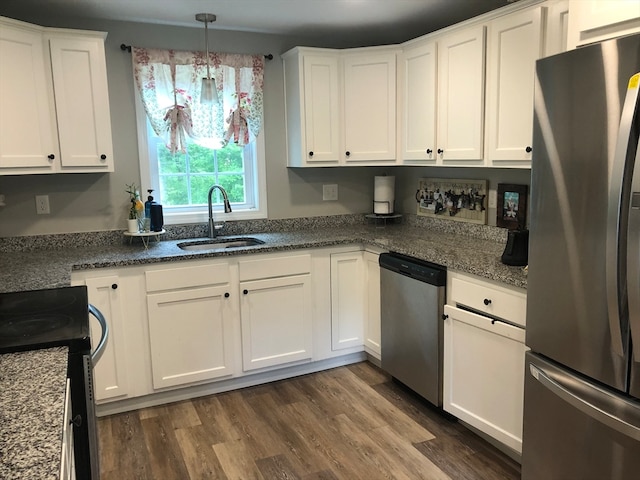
{"x":227,"y":208}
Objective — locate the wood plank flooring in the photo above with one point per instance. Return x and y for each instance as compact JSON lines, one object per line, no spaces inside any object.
{"x":350,"y":422}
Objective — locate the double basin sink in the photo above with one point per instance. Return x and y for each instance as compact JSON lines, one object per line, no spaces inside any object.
{"x":220,"y":243}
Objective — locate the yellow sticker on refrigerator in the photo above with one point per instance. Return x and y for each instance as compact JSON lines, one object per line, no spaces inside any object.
{"x":634,"y":81}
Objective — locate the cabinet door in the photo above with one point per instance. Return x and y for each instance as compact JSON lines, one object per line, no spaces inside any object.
{"x":191,"y":335}
{"x":321,"y":109}
{"x":514,"y":45}
{"x":417,"y":75}
{"x":370,"y":107}
{"x":484,"y":374}
{"x":347,"y":300}
{"x":27,"y":130}
{"x":557,"y":31}
{"x":372,"y":317}
{"x":276,"y":320}
{"x":110,"y":373}
{"x":82,"y":103}
{"x":597,"y":20}
{"x":461,"y":95}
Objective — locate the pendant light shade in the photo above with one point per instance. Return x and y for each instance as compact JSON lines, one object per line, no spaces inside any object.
{"x":209,"y":92}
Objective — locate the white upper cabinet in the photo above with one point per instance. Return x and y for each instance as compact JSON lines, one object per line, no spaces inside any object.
{"x":514,"y":44}
{"x":417,"y":83}
{"x":596,"y":20}
{"x":370,"y":107}
{"x":57,"y":117}
{"x":557,"y":30}
{"x":82,"y":101}
{"x":461,"y":96}
{"x":340,"y":106}
{"x":27,"y":129}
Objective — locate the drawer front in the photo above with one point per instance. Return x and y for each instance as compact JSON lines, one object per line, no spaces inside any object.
{"x":274,"y":267}
{"x":187,"y":277}
{"x":494,"y":301}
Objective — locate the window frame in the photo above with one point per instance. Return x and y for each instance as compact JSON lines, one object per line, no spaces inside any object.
{"x":149,"y":176}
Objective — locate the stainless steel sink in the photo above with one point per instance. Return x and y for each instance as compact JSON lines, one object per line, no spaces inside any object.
{"x":220,"y":243}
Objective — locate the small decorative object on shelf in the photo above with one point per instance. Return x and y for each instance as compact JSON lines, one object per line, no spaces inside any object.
{"x":136,"y":209}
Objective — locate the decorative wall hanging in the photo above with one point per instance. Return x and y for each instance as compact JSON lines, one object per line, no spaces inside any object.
{"x":453,"y":199}
{"x":512,"y":206}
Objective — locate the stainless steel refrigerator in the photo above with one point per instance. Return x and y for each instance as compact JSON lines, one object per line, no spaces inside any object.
{"x":582,"y":377}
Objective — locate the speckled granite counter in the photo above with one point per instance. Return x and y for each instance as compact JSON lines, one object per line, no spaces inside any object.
{"x":42,"y":268}
{"x":32,"y":394}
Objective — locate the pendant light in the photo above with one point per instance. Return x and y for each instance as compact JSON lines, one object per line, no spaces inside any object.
{"x":209,"y":92}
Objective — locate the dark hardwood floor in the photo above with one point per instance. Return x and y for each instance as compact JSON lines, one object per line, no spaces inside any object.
{"x":351,"y":422}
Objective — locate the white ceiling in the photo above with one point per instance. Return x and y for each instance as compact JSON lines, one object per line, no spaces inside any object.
{"x":391,"y":21}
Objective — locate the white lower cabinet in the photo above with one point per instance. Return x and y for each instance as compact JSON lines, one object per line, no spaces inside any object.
{"x":110,"y":373}
{"x":484,"y":365}
{"x":191,"y":314}
{"x":275,"y":311}
{"x":67,"y":457}
{"x":372,"y":306}
{"x":347,"y":300}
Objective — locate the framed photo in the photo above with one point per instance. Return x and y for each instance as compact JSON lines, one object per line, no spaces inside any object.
{"x":512,"y":206}
{"x":454,"y":199}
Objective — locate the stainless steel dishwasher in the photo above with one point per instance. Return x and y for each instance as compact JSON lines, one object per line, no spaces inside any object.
{"x":412,"y":295}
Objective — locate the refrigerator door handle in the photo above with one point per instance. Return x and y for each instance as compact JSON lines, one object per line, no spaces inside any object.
{"x":617,"y":214}
{"x":588,"y":408}
{"x":633,"y":262}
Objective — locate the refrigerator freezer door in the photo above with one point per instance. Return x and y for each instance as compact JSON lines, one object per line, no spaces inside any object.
{"x":578,"y":106}
{"x":595,"y":432}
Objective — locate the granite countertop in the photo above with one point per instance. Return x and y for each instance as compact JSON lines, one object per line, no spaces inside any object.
{"x":32,"y":400}
{"x":48,"y":268}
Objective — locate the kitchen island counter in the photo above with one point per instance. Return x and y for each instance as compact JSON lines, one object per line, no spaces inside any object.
{"x":32,"y":400}
{"x":52,"y":267}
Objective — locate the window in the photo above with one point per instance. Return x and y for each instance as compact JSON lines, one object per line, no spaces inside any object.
{"x":181,"y":181}
{"x":186,"y":146}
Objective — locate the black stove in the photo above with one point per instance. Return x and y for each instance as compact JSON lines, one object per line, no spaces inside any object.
{"x":44,"y":318}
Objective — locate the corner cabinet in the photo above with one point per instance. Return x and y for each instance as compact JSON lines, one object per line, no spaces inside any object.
{"x":514,"y":44}
{"x":340,"y":106}
{"x":56,"y":118}
{"x":484,"y":357}
{"x":191,"y":323}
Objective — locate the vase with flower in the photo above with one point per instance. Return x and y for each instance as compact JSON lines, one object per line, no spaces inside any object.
{"x":136,"y":210}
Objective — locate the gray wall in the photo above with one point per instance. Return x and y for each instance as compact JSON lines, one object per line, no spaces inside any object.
{"x":94,"y":202}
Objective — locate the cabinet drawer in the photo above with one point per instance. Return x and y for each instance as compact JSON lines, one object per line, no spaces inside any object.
{"x":274,"y":267}
{"x":186,"y":277}
{"x":489,"y":299}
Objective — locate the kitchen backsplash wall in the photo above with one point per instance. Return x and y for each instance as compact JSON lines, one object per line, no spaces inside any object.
{"x":98,"y":202}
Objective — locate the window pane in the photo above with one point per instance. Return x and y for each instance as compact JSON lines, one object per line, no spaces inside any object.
{"x":230,"y":159}
{"x":234,"y":185}
{"x":168,"y":163}
{"x":201,"y":159}
{"x":173,"y":190}
{"x":200,"y":185}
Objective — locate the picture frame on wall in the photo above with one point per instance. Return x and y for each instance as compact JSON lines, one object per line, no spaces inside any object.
{"x":512,"y":206}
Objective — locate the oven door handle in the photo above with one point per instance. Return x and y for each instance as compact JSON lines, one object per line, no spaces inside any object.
{"x":97,"y":353}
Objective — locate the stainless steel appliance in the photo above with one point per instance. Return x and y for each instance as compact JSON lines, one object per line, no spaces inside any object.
{"x":36,"y":319}
{"x":411,"y":307}
{"x":582,"y":383}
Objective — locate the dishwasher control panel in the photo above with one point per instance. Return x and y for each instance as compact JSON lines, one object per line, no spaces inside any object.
{"x":415,"y":268}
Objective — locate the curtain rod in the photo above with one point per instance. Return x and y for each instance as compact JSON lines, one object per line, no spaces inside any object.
{"x":127,"y":48}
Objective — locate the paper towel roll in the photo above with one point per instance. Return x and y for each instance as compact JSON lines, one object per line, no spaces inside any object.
{"x":384,"y":194}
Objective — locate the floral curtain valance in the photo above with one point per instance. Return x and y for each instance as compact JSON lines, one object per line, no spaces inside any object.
{"x":169,"y":82}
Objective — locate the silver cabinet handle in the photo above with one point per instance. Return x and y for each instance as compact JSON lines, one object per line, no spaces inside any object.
{"x":585,"y":406}
{"x":97,"y":353}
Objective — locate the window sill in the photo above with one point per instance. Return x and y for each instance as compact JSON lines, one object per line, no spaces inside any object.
{"x":203,"y":217}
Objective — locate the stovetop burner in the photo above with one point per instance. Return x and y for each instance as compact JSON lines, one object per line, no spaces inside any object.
{"x":43,"y":318}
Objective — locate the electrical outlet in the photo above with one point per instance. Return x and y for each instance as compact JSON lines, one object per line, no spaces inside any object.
{"x":42,"y":205}
{"x":330,"y":192}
